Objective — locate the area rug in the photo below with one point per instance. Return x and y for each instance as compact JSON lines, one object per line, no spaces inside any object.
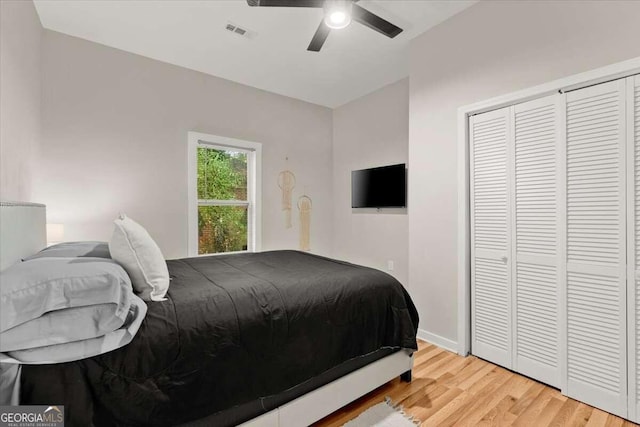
{"x":384,"y":414}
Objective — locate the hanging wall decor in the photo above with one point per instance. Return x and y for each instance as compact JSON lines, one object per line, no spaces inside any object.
{"x":286,"y":182}
{"x":304,"y":206}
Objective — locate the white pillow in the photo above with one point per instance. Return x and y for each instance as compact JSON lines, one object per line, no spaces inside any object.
{"x":134,"y":249}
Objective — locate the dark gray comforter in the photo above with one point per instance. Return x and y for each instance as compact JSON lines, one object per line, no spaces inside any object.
{"x":234,"y":329}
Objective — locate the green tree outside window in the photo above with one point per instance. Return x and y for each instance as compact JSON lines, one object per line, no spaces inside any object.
{"x":222,"y":175}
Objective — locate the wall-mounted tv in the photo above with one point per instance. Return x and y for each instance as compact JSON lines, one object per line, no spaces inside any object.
{"x":383,"y":187}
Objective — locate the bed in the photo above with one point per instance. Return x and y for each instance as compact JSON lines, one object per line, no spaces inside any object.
{"x":278,"y":338}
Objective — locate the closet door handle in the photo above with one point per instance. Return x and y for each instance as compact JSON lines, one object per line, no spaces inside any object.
{"x":504,"y":259}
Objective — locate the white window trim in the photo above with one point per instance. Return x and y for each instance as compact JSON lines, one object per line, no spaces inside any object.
{"x":600,"y":75}
{"x":254,"y":181}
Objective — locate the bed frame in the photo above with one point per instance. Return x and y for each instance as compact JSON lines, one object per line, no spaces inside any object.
{"x":23,"y":233}
{"x":319,"y":403}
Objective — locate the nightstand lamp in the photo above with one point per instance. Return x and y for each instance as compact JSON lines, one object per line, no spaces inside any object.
{"x":55,"y":233}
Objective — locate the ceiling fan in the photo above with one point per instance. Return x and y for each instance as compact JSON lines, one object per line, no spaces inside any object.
{"x":337,"y":14}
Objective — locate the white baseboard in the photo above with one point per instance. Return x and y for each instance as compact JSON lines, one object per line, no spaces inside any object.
{"x":445,"y":343}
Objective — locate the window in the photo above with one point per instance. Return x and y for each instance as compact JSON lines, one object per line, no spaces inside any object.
{"x":224,"y":178}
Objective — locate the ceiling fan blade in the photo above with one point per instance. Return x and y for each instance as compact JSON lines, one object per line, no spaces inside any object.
{"x":319,"y":37}
{"x":373,"y":21}
{"x":286,"y":3}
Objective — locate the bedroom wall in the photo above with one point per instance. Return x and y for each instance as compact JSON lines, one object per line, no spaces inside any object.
{"x":493,"y":48}
{"x":368,"y":132}
{"x":20,"y":56}
{"x":115,"y":139}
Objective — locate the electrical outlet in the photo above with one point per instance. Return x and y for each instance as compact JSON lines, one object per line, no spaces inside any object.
{"x":390,"y":265}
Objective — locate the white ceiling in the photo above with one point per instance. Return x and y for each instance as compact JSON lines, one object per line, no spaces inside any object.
{"x":353,"y":61}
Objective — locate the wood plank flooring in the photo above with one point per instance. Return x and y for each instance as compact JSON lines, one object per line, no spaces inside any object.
{"x":449,"y":390}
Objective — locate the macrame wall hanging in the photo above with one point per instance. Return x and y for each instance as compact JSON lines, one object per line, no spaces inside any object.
{"x":304,"y":206}
{"x":286,"y":182}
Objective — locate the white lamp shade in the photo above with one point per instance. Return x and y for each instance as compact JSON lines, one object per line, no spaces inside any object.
{"x":55,"y":233}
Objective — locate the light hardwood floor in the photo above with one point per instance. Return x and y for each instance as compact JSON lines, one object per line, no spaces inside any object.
{"x":448,"y":390}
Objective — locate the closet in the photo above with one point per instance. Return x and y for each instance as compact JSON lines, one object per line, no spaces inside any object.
{"x":555,"y":241}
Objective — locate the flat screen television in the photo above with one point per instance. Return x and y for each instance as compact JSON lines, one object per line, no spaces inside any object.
{"x":383,"y":187}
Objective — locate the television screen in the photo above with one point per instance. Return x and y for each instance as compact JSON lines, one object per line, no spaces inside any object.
{"x":384,"y":187}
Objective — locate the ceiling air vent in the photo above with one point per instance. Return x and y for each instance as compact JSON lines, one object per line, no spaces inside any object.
{"x":236,"y":29}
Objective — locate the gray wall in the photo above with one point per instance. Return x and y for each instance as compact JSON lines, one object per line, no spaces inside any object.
{"x":491,"y":49}
{"x":115,"y":139}
{"x":20,"y":55}
{"x":371,"y":131}
{"x":115,"y":125}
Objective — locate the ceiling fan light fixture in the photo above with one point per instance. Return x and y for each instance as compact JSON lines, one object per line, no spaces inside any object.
{"x":337,"y":13}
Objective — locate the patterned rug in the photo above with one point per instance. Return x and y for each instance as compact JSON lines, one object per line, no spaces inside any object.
{"x":384,"y":414}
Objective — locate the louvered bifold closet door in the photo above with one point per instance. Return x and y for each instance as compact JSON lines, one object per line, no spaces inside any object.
{"x":633,"y":244}
{"x":596,"y":246}
{"x":490,"y":236}
{"x":538,"y":234}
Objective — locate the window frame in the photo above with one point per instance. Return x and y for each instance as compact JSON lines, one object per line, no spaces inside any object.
{"x":254,"y":189}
